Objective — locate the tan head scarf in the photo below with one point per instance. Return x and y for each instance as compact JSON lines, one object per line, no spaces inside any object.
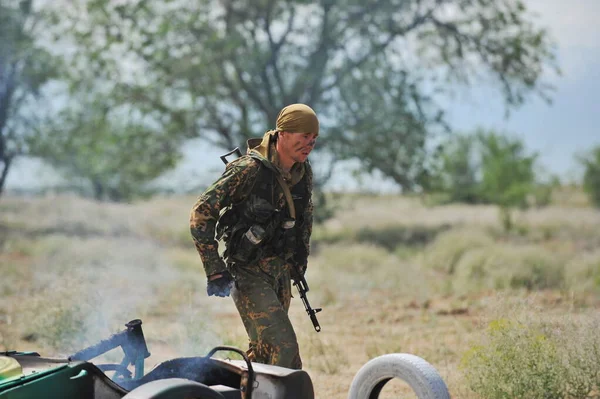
{"x":297,"y":118}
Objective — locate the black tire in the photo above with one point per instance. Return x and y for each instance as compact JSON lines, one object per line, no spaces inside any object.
{"x":422,"y":377}
{"x":173,"y":388}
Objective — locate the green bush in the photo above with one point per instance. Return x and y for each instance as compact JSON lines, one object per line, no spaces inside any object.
{"x":456,"y":176}
{"x":517,"y":361}
{"x":112,"y":157}
{"x":580,"y":347}
{"x":490,"y":168}
{"x":532,"y":360}
{"x":591,"y":177}
{"x":486,"y":167}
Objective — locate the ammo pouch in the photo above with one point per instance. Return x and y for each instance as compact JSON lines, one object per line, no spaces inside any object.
{"x":249,"y":238}
{"x":284,"y":244}
{"x":247,"y":246}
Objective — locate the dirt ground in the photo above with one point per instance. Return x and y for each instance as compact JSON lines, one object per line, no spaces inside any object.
{"x":74,"y":271}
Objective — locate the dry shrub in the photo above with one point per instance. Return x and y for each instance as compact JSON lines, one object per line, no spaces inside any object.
{"x":324,"y":236}
{"x":54,"y":320}
{"x":322,"y":355}
{"x":73,"y":216}
{"x":500,"y":266}
{"x":359,"y":268}
{"x":178,"y":236}
{"x":78,"y":290}
{"x":195,"y":333}
{"x":533,"y":359}
{"x":378,"y":345}
{"x":580,"y":349}
{"x":449,"y":247}
{"x":354,"y":259}
{"x":582,"y":273}
{"x":393,"y":236}
{"x":515,"y":361}
{"x":185,"y":260}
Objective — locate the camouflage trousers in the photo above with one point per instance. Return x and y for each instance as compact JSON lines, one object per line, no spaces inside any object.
{"x":262,"y":296}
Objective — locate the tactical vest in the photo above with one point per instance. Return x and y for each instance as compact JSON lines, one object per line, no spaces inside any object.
{"x":256,"y":227}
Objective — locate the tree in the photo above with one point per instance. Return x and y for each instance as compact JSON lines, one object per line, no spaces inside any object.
{"x":490,"y":168}
{"x":25,"y":69}
{"x":507,"y":173}
{"x":222,"y":69}
{"x":591,"y":176}
{"x":114,"y":155}
{"x":457,"y":173}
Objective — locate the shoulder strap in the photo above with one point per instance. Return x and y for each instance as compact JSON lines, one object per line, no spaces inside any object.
{"x":283,"y":184}
{"x":287,"y":194}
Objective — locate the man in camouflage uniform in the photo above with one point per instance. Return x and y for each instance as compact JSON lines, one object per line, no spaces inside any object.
{"x":261,"y":207}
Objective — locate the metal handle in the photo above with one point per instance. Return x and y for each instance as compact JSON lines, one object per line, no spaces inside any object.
{"x":245,"y":356}
{"x":81,"y":374}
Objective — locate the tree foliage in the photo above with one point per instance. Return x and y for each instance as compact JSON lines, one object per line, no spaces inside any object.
{"x":25,"y":68}
{"x":591,"y":176}
{"x":508,"y":174}
{"x":111,"y":154}
{"x":458,"y":171}
{"x":222,"y":69}
{"x":487,"y":167}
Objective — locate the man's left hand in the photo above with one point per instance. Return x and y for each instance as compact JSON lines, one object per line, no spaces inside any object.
{"x":219,"y":284}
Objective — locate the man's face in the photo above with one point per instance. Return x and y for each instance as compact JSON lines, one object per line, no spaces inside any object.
{"x":297,"y":146}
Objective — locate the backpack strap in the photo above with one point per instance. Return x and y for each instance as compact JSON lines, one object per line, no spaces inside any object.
{"x":287,"y":194}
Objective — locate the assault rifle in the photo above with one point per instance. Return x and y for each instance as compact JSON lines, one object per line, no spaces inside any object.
{"x":302,"y":286}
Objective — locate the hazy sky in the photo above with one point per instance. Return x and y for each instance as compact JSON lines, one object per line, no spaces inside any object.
{"x":572,"y":123}
{"x":558,"y":131}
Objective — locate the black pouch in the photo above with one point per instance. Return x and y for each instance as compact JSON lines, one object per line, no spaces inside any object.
{"x":248,"y":246}
{"x":226,"y":224}
{"x":258,"y":210}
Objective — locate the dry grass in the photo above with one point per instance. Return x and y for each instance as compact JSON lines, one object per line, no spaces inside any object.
{"x":392,"y":274}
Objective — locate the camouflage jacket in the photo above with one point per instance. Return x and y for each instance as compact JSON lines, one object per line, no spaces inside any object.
{"x":233,"y":187}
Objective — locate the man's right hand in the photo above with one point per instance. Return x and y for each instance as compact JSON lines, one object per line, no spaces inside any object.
{"x":219,"y":284}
